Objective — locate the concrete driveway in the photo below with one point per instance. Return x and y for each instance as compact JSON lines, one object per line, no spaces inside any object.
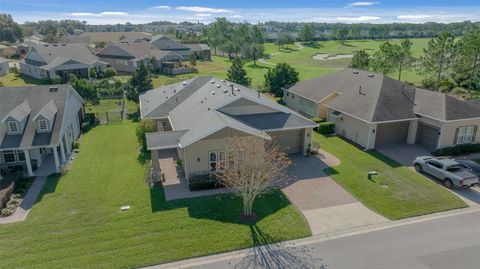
{"x":404,"y":153}
{"x":325,"y":204}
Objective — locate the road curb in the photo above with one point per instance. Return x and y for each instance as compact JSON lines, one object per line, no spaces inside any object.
{"x":317,"y":238}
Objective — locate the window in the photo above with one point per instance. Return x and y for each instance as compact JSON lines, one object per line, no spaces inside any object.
{"x":9,"y":156}
{"x":21,"y":156}
{"x":217,"y":161}
{"x":435,"y":164}
{"x":13,"y":126}
{"x":465,"y":135}
{"x":42,"y":125}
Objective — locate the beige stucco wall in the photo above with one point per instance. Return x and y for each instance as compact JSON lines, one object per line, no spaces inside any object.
{"x":447,"y":134}
{"x":351,"y":128}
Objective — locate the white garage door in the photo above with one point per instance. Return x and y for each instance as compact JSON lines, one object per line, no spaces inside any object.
{"x":289,"y":141}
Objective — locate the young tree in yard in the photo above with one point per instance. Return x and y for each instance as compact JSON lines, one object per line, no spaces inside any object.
{"x":153,"y":65}
{"x":361,"y":60}
{"x":93,"y":73}
{"x":437,"y":57}
{"x":237,"y":73}
{"x":254,"y":51}
{"x":278,"y":77}
{"x":86,"y":90}
{"x":467,"y":64}
{"x":253,"y":165}
{"x":383,"y":60}
{"x":140,"y":82}
{"x":403,"y":56}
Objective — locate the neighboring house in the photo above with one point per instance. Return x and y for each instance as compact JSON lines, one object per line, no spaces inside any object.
{"x":201,"y":51}
{"x":125,"y":56}
{"x":195,"y":118}
{"x":38,"y":125}
{"x":22,"y":48}
{"x":6,"y":51}
{"x":97,"y":37}
{"x":373,"y":110}
{"x":4,"y":66}
{"x":47,"y":61}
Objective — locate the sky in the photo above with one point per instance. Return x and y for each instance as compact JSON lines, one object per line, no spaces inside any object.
{"x":205,"y":11}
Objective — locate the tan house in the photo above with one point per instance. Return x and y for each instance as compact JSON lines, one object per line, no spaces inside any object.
{"x":195,"y":118}
{"x":373,"y":110}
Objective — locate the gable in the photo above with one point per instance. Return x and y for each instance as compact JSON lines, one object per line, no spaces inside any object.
{"x":114,"y":50}
{"x":244,"y":106}
{"x":33,"y":55}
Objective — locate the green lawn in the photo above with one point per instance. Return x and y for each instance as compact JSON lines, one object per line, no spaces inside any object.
{"x":77,"y":222}
{"x":407,"y":193}
{"x":15,"y":80}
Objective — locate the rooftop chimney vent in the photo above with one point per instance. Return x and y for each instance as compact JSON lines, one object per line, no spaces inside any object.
{"x":53,"y":89}
{"x":355,"y":72}
{"x":370,"y":75}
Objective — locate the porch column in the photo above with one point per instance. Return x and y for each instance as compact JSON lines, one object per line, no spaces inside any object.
{"x":57,"y":161}
{"x":412,"y":132}
{"x":62,"y":151}
{"x":68,"y":144}
{"x":29,"y":164}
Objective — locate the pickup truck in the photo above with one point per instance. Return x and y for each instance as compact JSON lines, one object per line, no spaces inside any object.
{"x":450,"y":172}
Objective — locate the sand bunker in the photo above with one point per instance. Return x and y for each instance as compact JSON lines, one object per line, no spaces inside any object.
{"x":325,"y":56}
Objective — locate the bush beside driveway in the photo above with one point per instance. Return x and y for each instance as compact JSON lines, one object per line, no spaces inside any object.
{"x":77,"y":222}
{"x":396,"y":192}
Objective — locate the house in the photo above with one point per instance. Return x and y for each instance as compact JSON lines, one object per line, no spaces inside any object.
{"x":4,"y":67}
{"x":201,"y":51}
{"x":195,"y":118}
{"x":373,"y":110}
{"x":125,"y":56}
{"x":47,"y":61}
{"x":107,"y":37}
{"x":38,"y":125}
{"x":7,"y":51}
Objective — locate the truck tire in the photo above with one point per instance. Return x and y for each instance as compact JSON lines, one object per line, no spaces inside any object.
{"x":448,"y":183}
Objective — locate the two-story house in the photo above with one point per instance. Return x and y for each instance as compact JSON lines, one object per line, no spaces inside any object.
{"x":38,"y":124}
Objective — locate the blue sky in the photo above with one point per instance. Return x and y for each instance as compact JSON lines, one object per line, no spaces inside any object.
{"x":141,"y":11}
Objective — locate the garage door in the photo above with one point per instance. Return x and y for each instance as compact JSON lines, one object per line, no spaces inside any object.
{"x":427,"y":136}
{"x":289,"y":141}
{"x":392,"y":133}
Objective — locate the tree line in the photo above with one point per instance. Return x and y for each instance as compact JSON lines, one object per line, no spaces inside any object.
{"x":447,"y":63}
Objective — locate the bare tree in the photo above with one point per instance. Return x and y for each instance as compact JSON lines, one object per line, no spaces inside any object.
{"x":253,"y":165}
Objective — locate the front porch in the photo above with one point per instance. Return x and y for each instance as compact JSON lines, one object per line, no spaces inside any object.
{"x":172,"y":177}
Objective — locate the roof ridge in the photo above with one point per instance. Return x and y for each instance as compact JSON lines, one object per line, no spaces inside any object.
{"x":377,"y":97}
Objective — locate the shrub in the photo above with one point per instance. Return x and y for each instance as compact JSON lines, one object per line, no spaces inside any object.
{"x":145,"y":126}
{"x":459,"y":90}
{"x":458,"y":150}
{"x":6,"y":189}
{"x":56,"y":80}
{"x":318,"y":120}
{"x":204,"y":182}
{"x":76,"y":144}
{"x":327,"y":127}
{"x":179,"y":162}
{"x":109,"y":72}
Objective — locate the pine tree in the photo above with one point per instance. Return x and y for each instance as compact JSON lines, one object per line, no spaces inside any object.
{"x":237,"y":73}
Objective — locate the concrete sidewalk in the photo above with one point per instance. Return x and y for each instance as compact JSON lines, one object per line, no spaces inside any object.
{"x":28,"y":201}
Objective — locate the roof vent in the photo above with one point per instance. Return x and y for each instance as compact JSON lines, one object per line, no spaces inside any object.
{"x":237,"y":89}
{"x":355,"y":72}
{"x":63,"y":45}
{"x":53,"y":89}
{"x":55,"y":45}
{"x":174,"y":91}
{"x":370,"y":75}
{"x":46,"y":45}
{"x":218,"y":85}
{"x":184,"y":83}
{"x":213,"y":81}
{"x":213,"y":92}
{"x":225,"y":90}
{"x":223,"y":80}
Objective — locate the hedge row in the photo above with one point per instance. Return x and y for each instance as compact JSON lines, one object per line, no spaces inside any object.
{"x":6,"y":189}
{"x":327,"y":127}
{"x":204,"y":182}
{"x":458,"y":150}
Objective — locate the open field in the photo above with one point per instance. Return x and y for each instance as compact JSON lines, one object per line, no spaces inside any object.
{"x":396,"y":192}
{"x":76,"y":223}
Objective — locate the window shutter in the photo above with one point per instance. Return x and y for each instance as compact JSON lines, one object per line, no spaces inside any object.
{"x":456,"y":136}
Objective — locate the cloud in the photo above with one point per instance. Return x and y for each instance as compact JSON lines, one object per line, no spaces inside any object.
{"x":358,"y":19}
{"x":362,"y":4}
{"x":413,"y":17}
{"x":114,"y":13}
{"x":236,"y":16}
{"x":101,"y":14}
{"x":161,"y":7}
{"x":203,"y":15}
{"x":204,"y":9}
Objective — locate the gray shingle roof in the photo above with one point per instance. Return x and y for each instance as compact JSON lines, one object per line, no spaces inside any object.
{"x":376,"y":98}
{"x":205,"y":105}
{"x":57,"y":54}
{"x":20,"y":112}
{"x":198,"y":47}
{"x":165,"y":43}
{"x":135,"y":50}
{"x":164,"y":140}
{"x":37,"y":97}
{"x":48,"y":111}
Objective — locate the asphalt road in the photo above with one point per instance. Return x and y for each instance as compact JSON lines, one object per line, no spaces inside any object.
{"x":446,"y":243}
